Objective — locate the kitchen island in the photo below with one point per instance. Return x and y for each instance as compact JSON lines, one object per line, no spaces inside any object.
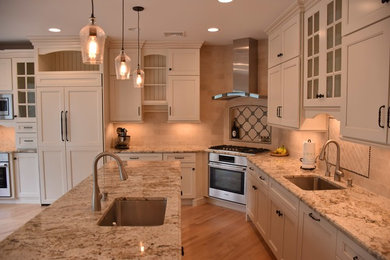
{"x":68,"y":228}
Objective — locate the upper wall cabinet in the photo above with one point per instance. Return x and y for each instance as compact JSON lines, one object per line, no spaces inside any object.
{"x":366,"y":110}
{"x":125,"y":100}
{"x":183,"y":62}
{"x":360,"y":13}
{"x":5,"y":75}
{"x":284,"y":43}
{"x":322,"y":67}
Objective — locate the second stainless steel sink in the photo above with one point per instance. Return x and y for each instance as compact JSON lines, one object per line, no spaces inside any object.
{"x":128,"y":211}
{"x":312,"y":182}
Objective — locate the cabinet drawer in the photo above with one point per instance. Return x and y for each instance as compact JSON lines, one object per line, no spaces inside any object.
{"x":349,"y":250}
{"x":286,"y":197}
{"x":182,"y":157}
{"x":26,"y":140}
{"x":140,"y":156}
{"x":26,"y":128}
{"x":258,"y":174}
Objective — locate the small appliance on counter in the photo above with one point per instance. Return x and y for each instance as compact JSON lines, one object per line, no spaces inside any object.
{"x":123,"y":139}
{"x":309,"y":155}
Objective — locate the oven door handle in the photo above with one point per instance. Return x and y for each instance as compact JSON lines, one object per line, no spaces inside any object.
{"x":229,"y":167}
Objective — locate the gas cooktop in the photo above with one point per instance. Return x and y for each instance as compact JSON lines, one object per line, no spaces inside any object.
{"x":240,"y":149}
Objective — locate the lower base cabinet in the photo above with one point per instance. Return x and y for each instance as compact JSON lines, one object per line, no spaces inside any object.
{"x":188,"y":167}
{"x":291,"y":228}
{"x":283,"y":223}
{"x":26,"y":177}
{"x":317,"y":237}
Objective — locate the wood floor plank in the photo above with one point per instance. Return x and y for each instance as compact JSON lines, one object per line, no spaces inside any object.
{"x":213,"y":232}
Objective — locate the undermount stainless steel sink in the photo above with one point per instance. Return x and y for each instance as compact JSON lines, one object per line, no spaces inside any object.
{"x":126,"y":211}
{"x":312,"y":183}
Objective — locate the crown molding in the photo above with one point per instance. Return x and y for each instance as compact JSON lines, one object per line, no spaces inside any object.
{"x":295,"y":8}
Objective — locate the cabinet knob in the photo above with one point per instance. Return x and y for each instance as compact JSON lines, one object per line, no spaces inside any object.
{"x":320,"y":96}
{"x":280,"y":55}
{"x":262,"y":178}
{"x":170,"y":69}
{"x":383,"y":2}
{"x":254,"y":187}
{"x":193,"y":169}
{"x":356,"y":257}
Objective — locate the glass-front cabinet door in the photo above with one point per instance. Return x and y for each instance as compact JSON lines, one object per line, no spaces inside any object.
{"x":24,"y":80}
{"x":322,"y":68}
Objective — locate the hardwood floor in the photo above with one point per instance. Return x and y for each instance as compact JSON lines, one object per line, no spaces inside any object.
{"x":13,"y":216}
{"x":213,"y":232}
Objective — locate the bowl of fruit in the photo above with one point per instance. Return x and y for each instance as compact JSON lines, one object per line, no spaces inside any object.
{"x":280,"y":151}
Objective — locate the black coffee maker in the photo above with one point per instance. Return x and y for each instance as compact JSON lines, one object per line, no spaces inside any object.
{"x":123,"y":139}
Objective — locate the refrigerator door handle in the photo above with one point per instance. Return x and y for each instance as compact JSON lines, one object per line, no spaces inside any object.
{"x":66,"y":126}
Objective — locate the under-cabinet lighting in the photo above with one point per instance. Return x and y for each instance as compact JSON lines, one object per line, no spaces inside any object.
{"x":213,"y":29}
{"x":55,"y":30}
{"x":225,"y":1}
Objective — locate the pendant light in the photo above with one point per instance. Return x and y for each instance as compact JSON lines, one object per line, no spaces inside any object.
{"x":92,"y":39}
{"x":122,"y":61}
{"x":138,"y":74}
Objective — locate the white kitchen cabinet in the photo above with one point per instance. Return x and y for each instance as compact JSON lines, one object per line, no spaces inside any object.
{"x":183,"y":96}
{"x":125,"y":101}
{"x":317,"y":237}
{"x":360,"y":13}
{"x":284,"y":94}
{"x":322,"y":66}
{"x":366,"y":112}
{"x":155,"y":68}
{"x":183,"y":62}
{"x":69,"y":136}
{"x":284,"y":43}
{"x":140,"y":156}
{"x":26,"y":135}
{"x":24,"y":89}
{"x":5,"y":75}
{"x":258,"y":199}
{"x":188,"y":172}
{"x":27,"y":177}
{"x":349,"y":250}
{"x":283,"y":227}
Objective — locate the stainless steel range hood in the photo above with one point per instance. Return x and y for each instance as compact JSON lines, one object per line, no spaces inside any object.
{"x":244,"y":70}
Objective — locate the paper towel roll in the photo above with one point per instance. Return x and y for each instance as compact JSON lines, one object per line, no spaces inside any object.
{"x":309,"y":152}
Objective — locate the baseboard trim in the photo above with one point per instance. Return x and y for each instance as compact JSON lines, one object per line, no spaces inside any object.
{"x":226,"y":204}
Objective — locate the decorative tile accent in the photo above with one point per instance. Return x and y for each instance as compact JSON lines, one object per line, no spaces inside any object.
{"x":353,"y":157}
{"x":251,"y":122}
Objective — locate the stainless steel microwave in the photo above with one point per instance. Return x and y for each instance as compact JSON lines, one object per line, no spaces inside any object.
{"x":6,"y":107}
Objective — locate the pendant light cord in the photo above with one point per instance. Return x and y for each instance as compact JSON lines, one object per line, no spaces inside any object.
{"x":123,"y":21}
{"x":92,"y":14}
{"x":138,"y":41}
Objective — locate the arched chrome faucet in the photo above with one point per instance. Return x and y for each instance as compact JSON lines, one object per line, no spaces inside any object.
{"x":337,"y":172}
{"x":96,"y":195}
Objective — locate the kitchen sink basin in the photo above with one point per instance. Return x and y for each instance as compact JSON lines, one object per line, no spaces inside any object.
{"x":126,"y":211}
{"x":312,"y":183}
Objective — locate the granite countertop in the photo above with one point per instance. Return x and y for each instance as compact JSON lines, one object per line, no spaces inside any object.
{"x":67,"y":229}
{"x":362,"y":215}
{"x":162,"y":149}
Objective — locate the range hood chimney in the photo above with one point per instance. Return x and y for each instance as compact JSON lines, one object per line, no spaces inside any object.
{"x":244,"y":70}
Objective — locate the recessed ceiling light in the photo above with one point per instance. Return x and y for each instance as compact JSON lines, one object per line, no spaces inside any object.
{"x":55,"y":30}
{"x":213,"y":29}
{"x":225,"y":1}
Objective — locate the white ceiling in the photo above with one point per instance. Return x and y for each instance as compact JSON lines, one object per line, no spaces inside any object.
{"x":239,"y":19}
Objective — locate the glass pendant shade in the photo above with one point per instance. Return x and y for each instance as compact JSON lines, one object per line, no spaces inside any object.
{"x":122,"y":66}
{"x":138,"y":77}
{"x":92,"y":39}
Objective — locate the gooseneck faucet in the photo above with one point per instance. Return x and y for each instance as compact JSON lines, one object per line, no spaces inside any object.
{"x":337,"y":172}
{"x":96,"y":195}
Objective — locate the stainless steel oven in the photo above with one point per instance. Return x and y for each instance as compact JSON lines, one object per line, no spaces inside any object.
{"x":6,"y":107}
{"x":5,"y":182}
{"x":227,"y":177}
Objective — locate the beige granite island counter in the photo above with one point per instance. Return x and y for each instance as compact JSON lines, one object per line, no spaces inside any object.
{"x":362,"y":215}
{"x":68,"y":228}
